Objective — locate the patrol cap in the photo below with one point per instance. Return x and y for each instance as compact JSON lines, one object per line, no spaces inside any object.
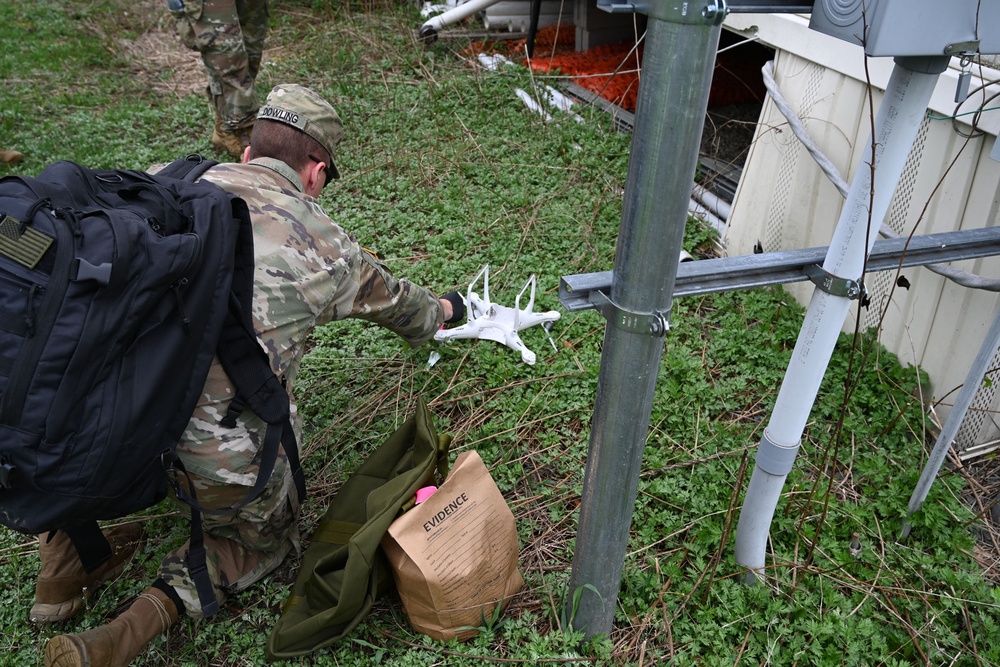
{"x":305,"y":110}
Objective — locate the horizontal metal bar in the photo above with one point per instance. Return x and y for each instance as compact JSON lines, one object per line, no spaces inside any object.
{"x":682,"y":11}
{"x":773,"y":7}
{"x":725,"y":274}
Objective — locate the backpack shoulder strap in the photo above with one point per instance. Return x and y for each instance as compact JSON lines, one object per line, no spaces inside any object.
{"x":249,"y":368}
{"x":189,"y":168}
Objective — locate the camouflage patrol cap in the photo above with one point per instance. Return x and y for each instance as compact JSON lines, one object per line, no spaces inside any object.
{"x":305,"y":110}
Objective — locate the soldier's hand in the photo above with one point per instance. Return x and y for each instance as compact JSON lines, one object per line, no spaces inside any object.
{"x":454,"y":307}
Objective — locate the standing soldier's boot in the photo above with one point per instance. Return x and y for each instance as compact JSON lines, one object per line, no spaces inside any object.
{"x":224,"y":138}
{"x":231,"y":141}
{"x":117,"y":643}
{"x":63,"y":584}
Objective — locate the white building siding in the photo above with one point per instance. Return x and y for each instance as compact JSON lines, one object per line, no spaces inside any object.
{"x":785,"y":202}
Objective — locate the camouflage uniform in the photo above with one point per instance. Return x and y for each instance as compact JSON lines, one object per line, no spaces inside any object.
{"x":308,"y":272}
{"x":230,"y":35}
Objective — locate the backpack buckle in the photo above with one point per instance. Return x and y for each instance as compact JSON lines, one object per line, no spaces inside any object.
{"x":233,"y":412}
{"x":167,"y":460}
{"x":84,"y":270}
{"x":7,"y":471}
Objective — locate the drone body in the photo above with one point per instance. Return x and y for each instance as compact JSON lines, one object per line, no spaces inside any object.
{"x":491,"y":321}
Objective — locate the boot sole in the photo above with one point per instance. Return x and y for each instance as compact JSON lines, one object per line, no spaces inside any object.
{"x":44,"y":613}
{"x":66,"y":651}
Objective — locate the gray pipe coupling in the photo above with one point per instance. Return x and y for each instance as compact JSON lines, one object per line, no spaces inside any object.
{"x":775,"y":459}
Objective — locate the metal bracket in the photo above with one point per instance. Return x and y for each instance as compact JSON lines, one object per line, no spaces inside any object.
{"x":654,"y":324}
{"x":835,"y":285}
{"x":711,"y":12}
{"x":960,"y":48}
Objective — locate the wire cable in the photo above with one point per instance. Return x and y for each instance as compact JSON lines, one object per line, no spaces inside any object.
{"x":958,"y":276}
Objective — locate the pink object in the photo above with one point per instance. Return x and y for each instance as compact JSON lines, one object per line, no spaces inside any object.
{"x":425,"y":493}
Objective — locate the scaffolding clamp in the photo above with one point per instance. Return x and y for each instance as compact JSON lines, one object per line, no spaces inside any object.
{"x":835,"y":285}
{"x":652,"y":323}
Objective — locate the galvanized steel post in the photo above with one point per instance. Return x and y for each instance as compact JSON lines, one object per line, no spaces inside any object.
{"x":681,"y":42}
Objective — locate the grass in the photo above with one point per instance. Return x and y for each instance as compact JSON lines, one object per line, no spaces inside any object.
{"x":444,"y":170}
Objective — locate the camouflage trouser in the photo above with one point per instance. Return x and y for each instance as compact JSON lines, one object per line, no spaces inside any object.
{"x":230,"y":35}
{"x":241,"y":547}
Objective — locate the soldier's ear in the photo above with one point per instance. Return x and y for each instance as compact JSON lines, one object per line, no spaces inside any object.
{"x":313,"y":178}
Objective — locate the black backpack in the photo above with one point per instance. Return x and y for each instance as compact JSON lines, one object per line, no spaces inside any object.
{"x":117,"y":289}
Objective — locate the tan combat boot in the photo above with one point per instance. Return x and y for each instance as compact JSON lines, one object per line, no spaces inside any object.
{"x":63,"y":585}
{"x":11,"y":157}
{"x":117,"y":643}
{"x":233,"y":142}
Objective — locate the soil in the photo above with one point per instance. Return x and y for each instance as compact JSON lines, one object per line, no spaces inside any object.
{"x":157,"y":55}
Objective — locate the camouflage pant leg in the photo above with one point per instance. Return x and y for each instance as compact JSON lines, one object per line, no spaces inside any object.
{"x":253,"y":22}
{"x":243,"y":547}
{"x":230,"y":36}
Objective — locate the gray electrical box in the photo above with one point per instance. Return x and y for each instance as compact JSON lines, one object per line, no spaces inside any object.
{"x":912,"y":27}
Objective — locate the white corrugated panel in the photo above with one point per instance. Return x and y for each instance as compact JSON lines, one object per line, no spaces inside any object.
{"x":785,"y":202}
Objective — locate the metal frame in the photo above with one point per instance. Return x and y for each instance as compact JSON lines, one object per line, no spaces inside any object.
{"x":681,"y":38}
{"x":675,"y":10}
{"x":723,"y":274}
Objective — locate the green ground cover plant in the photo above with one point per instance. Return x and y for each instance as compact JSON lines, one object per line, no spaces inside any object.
{"x":445,"y":170}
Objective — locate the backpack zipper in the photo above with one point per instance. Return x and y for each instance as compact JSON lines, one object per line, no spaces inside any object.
{"x":177,"y":288}
{"x":29,"y":311}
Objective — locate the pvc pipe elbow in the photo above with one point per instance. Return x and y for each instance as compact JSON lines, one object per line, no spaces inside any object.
{"x":428,"y":33}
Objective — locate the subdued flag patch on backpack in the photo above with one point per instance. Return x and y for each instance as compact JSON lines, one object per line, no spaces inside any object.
{"x":25,"y":245}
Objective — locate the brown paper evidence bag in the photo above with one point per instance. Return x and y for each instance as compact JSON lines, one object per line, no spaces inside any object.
{"x":454,"y":556}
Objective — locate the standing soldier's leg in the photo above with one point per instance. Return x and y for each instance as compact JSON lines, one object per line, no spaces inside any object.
{"x":253,"y":22}
{"x":213,"y":28}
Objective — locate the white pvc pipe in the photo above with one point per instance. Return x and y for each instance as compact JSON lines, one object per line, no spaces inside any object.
{"x":456,"y":14}
{"x":713,"y":202}
{"x":517,"y":22}
{"x":900,"y":114}
{"x":968,"y":392}
{"x":700,"y":211}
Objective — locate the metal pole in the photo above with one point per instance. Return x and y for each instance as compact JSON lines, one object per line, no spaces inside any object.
{"x":673,"y":97}
{"x":951,"y":425}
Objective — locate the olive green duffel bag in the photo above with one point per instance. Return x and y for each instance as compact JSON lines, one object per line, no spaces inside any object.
{"x":343,"y":569}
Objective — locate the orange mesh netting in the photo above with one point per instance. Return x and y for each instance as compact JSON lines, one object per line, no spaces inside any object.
{"x":609,"y":70}
{"x":612,"y":70}
{"x":603,"y":70}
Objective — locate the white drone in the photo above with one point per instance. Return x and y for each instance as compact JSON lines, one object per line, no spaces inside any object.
{"x":490,"y":321}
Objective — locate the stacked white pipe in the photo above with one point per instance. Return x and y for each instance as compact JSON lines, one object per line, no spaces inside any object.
{"x":515,"y":16}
